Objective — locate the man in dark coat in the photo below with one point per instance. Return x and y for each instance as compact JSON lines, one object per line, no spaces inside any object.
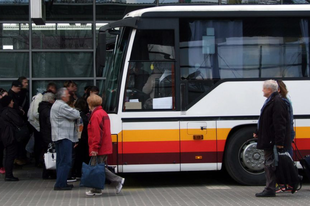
{"x":10,"y":120}
{"x":14,"y":92}
{"x":273,"y":130}
{"x":45,"y":127}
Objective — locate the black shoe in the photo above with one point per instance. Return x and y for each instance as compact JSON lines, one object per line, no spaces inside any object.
{"x":265,"y":193}
{"x":294,"y":189}
{"x":70,"y":186}
{"x":11,"y":179}
{"x":63,"y":188}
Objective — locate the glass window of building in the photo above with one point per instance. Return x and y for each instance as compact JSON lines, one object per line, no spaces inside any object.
{"x":62,"y":36}
{"x":14,"y":64}
{"x":64,"y":10}
{"x":14,"y":36}
{"x":62,"y":64}
{"x":13,"y":10}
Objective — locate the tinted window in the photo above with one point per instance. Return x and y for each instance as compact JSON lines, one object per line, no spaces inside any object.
{"x":217,"y":49}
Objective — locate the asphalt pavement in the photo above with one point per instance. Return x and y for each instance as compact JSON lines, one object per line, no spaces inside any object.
{"x":145,"y":189}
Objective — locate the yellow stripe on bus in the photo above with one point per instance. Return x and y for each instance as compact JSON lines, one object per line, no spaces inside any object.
{"x":302,"y":132}
{"x":185,"y":134}
{"x":151,"y":135}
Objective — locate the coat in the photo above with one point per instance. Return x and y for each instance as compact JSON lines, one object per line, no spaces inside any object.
{"x":33,"y":113}
{"x":9,"y":120}
{"x":274,"y":125}
{"x":45,"y":122}
{"x":63,"y":119}
{"x":99,"y":134}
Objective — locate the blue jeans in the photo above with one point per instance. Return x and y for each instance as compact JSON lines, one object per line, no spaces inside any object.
{"x":63,"y":161}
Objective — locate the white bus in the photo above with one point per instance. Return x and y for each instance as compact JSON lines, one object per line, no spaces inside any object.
{"x":183,"y":86}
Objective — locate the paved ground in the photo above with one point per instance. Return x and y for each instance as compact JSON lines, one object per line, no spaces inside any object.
{"x":192,"y":188}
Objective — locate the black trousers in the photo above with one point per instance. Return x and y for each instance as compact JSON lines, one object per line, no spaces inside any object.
{"x":270,"y":171}
{"x":1,"y":154}
{"x":10,"y":155}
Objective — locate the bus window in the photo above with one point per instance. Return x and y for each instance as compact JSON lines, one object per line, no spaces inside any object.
{"x":216,"y":49}
{"x":150,"y":77}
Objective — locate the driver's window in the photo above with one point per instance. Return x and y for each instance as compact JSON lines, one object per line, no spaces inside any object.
{"x":150,"y":79}
{"x":149,"y":86}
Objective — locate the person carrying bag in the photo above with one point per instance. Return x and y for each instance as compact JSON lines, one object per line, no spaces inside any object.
{"x":100,"y":142}
{"x":93,"y":174}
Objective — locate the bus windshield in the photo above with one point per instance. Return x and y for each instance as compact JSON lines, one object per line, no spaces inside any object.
{"x":113,"y":70}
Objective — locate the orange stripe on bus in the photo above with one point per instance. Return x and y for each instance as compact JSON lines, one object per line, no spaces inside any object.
{"x":302,"y":132}
{"x":150,"y":135}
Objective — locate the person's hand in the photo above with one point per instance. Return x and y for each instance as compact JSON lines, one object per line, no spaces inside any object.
{"x":255,"y":135}
{"x":93,"y":153}
{"x":280,"y":149}
{"x":75,"y":145}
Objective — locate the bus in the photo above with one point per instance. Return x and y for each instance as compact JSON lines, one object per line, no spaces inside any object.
{"x":183,"y":85}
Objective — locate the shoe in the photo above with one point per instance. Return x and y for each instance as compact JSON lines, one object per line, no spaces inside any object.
{"x":92,"y":193}
{"x":265,"y":193}
{"x":70,"y":185}
{"x":119,"y":186}
{"x":2,"y":170}
{"x":11,"y":179}
{"x":71,"y":179}
{"x":288,"y":188}
{"x":63,"y":188}
{"x":280,"y":188}
{"x":20,"y":162}
{"x":294,"y":188}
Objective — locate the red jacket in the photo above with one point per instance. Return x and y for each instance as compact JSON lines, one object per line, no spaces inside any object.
{"x":99,"y":133}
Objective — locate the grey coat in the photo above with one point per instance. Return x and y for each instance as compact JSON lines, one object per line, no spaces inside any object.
{"x":63,"y":119}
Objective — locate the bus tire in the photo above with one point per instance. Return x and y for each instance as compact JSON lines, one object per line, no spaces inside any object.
{"x":243,"y":161}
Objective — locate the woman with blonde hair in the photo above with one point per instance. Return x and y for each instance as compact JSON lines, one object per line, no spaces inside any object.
{"x":100,"y":142}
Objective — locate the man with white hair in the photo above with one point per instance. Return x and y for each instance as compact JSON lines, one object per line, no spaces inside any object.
{"x":272,"y":130}
{"x":63,"y":134}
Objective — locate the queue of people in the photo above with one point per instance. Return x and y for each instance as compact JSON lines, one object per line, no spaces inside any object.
{"x":54,"y":114}
{"x":51,"y":118}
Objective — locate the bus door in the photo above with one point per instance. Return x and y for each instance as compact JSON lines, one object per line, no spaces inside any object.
{"x":198,"y":145}
{"x":151,"y":139}
{"x":150,"y":146}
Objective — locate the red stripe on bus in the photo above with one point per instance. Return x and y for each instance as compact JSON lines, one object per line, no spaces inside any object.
{"x":151,"y":147}
{"x":198,"y":146}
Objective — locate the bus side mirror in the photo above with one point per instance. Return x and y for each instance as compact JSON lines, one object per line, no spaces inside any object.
{"x":101,"y":54}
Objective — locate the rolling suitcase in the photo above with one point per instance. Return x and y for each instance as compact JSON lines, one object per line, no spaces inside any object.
{"x":304,"y":161}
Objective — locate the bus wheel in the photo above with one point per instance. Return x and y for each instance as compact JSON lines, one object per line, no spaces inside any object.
{"x":243,"y":161}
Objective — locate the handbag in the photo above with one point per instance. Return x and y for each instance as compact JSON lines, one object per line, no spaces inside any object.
{"x":50,"y":160}
{"x":21,"y":133}
{"x":93,"y":176}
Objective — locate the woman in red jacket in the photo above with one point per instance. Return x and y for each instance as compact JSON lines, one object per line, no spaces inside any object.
{"x":99,"y":141}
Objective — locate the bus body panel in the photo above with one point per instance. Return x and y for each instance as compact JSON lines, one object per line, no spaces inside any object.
{"x":198,"y":137}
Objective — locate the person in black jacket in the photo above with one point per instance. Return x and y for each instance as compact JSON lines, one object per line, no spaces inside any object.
{"x":3,"y":93}
{"x":45,"y":128}
{"x":273,"y":130}
{"x":10,"y":120}
{"x":81,"y":150}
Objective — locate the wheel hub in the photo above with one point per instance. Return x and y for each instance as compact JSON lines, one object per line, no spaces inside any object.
{"x":253,"y":158}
